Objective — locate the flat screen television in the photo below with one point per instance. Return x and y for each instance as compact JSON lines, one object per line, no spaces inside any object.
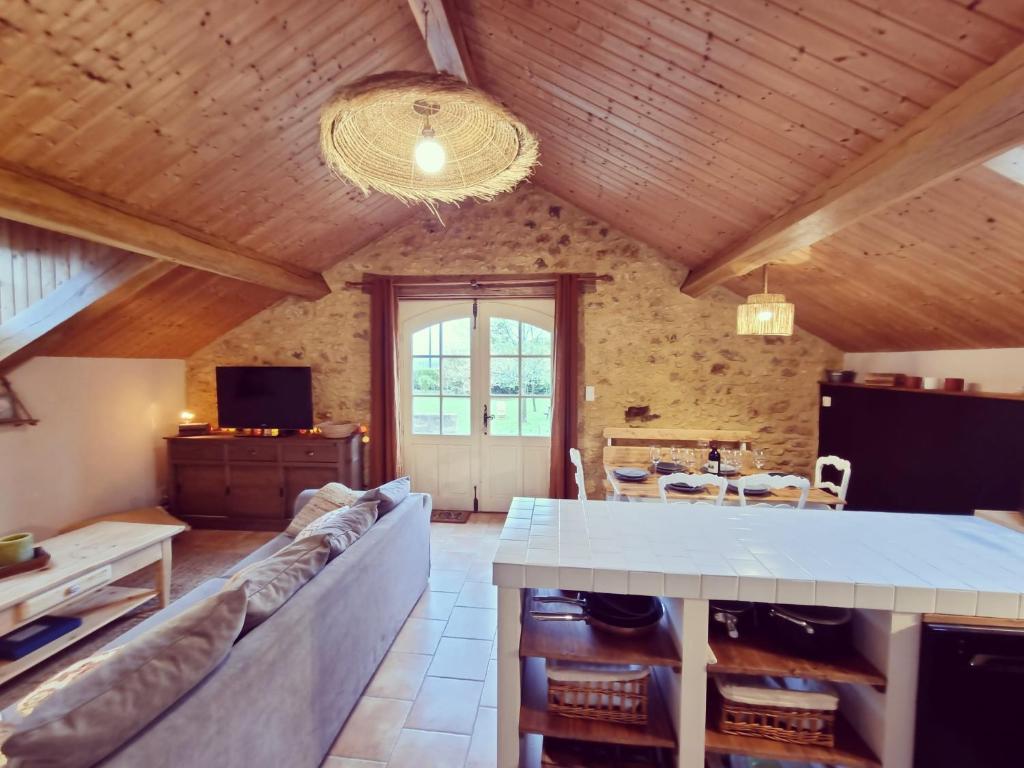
{"x":265,"y":397}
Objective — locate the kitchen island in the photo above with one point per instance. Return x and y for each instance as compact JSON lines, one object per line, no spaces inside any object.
{"x":890,"y":568}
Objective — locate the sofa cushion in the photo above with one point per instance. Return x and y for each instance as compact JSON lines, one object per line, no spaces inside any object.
{"x":262,"y":552}
{"x":83,"y":722}
{"x":269,"y":583}
{"x":329,"y":498}
{"x":342,"y":527}
{"x":390,"y":495}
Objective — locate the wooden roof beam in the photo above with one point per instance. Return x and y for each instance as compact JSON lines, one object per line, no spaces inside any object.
{"x":41,"y":203}
{"x":980,"y":119}
{"x":438,"y":21}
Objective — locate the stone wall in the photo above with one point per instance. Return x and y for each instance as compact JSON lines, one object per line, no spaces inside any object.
{"x":645,"y":344}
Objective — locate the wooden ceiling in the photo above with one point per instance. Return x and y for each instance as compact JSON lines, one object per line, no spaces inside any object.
{"x":685,"y":124}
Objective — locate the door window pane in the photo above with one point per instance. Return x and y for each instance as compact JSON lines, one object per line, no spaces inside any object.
{"x":427,"y":341}
{"x":426,"y":415}
{"x":505,"y":411}
{"x":536,"y":341}
{"x":426,"y":376}
{"x":536,"y":375}
{"x":455,"y":375}
{"x":504,"y":375}
{"x":504,"y":336}
{"x":536,"y":416}
{"x":455,"y":416}
{"x":455,"y":337}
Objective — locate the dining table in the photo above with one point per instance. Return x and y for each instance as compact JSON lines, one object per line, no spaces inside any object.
{"x":647,"y":489}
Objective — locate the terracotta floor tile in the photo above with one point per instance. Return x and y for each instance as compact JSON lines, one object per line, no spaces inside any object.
{"x":472,"y":623}
{"x":445,"y":704}
{"x":452,"y":561}
{"x":456,"y":657}
{"x":489,"y":697}
{"x":478,"y":594}
{"x":429,"y":749}
{"x":446,"y":581}
{"x":419,"y":636}
{"x":480,"y":570}
{"x":434,"y":605}
{"x":372,"y":729}
{"x":483,"y":748}
{"x":399,"y":676}
{"x":348,"y":762}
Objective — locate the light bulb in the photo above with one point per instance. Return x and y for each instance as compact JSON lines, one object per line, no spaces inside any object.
{"x":765,"y":314}
{"x":429,"y":153}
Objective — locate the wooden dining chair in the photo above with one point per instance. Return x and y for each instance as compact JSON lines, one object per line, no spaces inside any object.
{"x":774,"y":482}
{"x":577,"y":462}
{"x":844,"y":466}
{"x":684,"y":477}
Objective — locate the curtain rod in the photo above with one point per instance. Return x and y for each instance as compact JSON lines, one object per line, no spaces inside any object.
{"x":480,"y":281}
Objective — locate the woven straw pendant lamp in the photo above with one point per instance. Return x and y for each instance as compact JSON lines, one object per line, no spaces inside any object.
{"x":765,"y":314}
{"x":425,"y":138}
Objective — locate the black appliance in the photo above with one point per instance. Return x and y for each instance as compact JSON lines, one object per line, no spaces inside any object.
{"x":266,"y":397}
{"x":969,"y":697}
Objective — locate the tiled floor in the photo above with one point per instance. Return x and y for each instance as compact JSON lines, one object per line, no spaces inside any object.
{"x":432,"y":702}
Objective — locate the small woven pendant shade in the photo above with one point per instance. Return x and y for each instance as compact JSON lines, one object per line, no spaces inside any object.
{"x":370,"y":131}
{"x":765,"y":314}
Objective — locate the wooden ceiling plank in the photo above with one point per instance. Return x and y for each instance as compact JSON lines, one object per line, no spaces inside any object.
{"x":683,"y":89}
{"x":980,"y":119}
{"x":1008,"y":12}
{"x":36,"y":202}
{"x":750,"y":178}
{"x":438,"y":22}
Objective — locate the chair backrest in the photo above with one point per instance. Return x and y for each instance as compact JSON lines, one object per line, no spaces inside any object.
{"x":843,"y":465}
{"x":775,"y":482}
{"x":684,"y":477}
{"x":577,"y":462}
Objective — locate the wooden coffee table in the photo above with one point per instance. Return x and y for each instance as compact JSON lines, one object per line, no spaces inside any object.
{"x":84,"y":563}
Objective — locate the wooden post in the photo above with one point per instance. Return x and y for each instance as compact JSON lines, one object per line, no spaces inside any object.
{"x":510,"y":606}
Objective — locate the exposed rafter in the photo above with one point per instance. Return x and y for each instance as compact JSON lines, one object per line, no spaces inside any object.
{"x":41,"y":203}
{"x":980,"y":119}
{"x":439,"y":24}
{"x":122,"y":275}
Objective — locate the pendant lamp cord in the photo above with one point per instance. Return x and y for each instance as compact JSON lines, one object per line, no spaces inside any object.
{"x":765,"y":278}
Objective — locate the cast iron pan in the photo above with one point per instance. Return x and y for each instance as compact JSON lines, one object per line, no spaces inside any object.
{"x":617,"y":614}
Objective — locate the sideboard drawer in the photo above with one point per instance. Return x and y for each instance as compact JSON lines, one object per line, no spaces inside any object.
{"x":199,"y":450}
{"x":256,"y":450}
{"x":311,"y":452}
{"x":46,"y":601}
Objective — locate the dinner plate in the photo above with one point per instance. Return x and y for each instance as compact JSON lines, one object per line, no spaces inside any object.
{"x":752,"y":490}
{"x":684,"y":488}
{"x":728,"y":470}
{"x":631,"y":473}
{"x":667,"y":467}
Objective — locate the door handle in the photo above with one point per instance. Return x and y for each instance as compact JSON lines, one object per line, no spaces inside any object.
{"x":487,"y":418}
{"x":1012,"y":664}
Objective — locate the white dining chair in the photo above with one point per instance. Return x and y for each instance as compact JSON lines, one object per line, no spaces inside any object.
{"x":844,"y":466}
{"x":577,"y":462}
{"x":774,"y":482}
{"x":683,"y":477}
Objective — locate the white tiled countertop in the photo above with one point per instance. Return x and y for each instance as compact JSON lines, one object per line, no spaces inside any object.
{"x":904,"y":562}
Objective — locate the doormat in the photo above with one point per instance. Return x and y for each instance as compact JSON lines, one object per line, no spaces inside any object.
{"x":449,"y":516}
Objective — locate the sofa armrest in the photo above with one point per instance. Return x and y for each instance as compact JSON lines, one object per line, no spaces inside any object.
{"x":302,"y":500}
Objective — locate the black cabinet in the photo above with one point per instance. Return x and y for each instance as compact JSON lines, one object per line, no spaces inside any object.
{"x":916,"y":451}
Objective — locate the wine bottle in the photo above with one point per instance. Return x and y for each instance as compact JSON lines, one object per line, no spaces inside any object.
{"x":714,"y":460}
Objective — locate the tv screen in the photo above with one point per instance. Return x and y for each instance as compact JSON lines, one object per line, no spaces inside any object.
{"x":266,"y":397}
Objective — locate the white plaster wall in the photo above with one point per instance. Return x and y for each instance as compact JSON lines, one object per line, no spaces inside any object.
{"x":98,"y":447}
{"x":986,"y":370}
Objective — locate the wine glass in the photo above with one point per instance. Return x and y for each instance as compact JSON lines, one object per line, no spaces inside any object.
{"x":690,"y":459}
{"x":760,"y":459}
{"x":655,"y":455}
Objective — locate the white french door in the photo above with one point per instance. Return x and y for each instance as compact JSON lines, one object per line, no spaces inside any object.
{"x":476,"y":394}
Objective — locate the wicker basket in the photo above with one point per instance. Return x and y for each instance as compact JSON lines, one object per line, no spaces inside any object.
{"x":793,"y":725}
{"x":611,"y":701}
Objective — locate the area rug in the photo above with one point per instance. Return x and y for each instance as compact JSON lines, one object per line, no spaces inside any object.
{"x":197,"y":556}
{"x":449,"y":516}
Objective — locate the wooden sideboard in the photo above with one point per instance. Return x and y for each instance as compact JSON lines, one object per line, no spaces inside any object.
{"x":225,"y":481}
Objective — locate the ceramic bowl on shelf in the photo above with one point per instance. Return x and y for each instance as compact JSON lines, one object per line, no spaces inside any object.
{"x":16,"y":548}
{"x":336,"y":431}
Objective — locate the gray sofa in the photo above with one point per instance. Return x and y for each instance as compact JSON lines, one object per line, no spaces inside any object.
{"x":282,"y":695}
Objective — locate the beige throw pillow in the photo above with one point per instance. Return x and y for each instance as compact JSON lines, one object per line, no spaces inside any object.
{"x":269,"y":583}
{"x":82,"y":723}
{"x":329,"y":498}
{"x":342,"y":527}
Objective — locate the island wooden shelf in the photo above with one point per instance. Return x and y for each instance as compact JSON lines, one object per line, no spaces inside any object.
{"x":850,"y":750}
{"x":578,"y":641}
{"x":534,"y":717}
{"x":756,"y":656}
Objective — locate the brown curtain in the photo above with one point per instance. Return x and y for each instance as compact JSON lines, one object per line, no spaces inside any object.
{"x":564,"y":412}
{"x":384,"y":427}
